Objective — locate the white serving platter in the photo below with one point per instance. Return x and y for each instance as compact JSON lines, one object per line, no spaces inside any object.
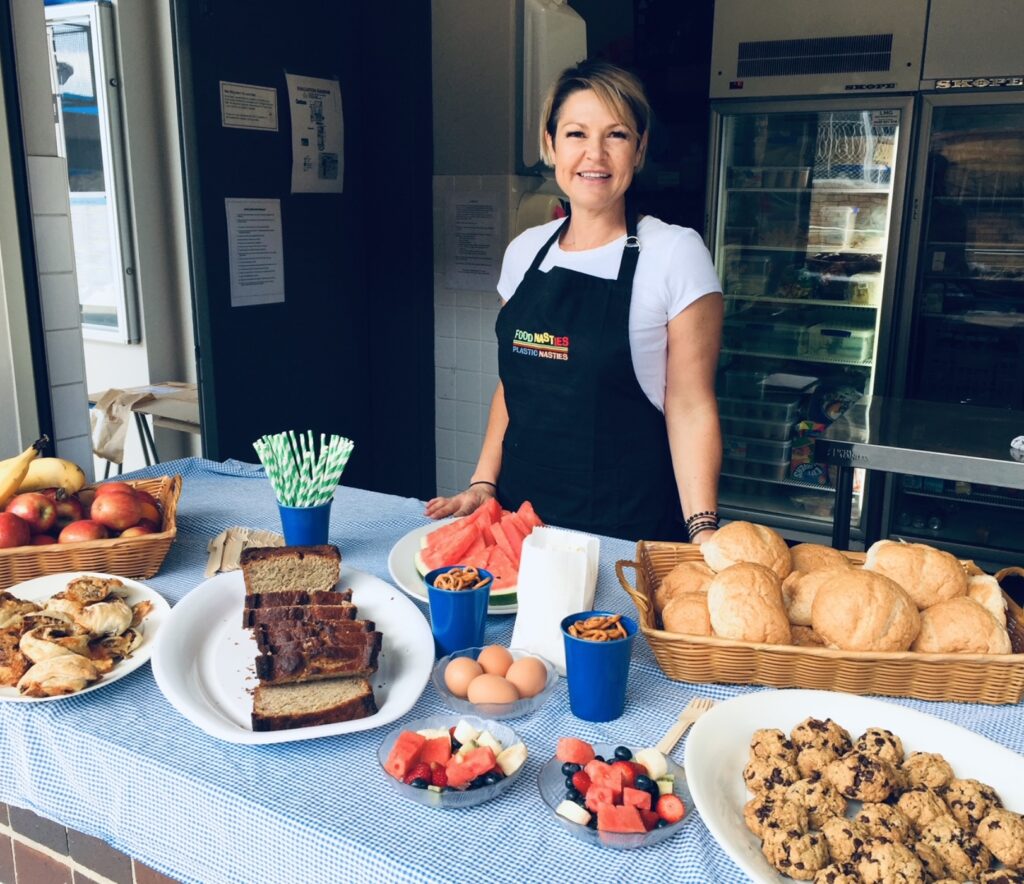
{"x":41,"y":588}
{"x":205,"y":660}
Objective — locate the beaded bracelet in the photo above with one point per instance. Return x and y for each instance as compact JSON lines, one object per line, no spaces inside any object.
{"x":712,"y":513}
{"x":702,"y":526}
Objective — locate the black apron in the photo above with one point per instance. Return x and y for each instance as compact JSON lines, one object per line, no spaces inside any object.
{"x":584,"y":444}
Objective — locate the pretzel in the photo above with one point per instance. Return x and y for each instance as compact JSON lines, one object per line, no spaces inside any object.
{"x":601,"y":628}
{"x":461,"y":578}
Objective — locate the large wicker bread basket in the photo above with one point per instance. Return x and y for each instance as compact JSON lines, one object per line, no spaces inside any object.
{"x":124,"y":556}
{"x":968,"y":678}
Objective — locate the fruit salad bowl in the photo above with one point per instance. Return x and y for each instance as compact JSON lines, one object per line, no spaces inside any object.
{"x":479,"y":777}
{"x":554,"y":789}
{"x":516,"y":709}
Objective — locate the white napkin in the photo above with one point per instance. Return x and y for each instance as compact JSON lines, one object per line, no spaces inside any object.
{"x":557,"y":577}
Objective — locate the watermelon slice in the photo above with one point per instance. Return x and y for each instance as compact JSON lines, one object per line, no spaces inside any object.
{"x":498,"y":529}
{"x":468,"y":766}
{"x":529,"y":515}
{"x":519,"y":523}
{"x":405,"y":753}
{"x":513,"y":536}
{"x":500,"y":565}
{"x":620,"y":818}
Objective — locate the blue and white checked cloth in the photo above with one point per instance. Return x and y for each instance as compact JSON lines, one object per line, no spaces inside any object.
{"x":121,"y":764}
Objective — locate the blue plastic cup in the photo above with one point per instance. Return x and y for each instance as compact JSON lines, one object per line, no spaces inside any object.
{"x":457,"y":616}
{"x":597,"y":671}
{"x":305,"y":525}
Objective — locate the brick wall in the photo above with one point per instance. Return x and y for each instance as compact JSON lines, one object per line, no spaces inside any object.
{"x":35,"y":850}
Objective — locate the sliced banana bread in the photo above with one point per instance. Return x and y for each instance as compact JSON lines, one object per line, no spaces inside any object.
{"x":296,"y":613}
{"x":357,"y":656}
{"x":276,"y":707}
{"x":283,"y":597}
{"x":273,"y":568}
{"x":271,"y":637}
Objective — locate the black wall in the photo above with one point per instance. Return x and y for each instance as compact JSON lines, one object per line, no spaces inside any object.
{"x":351,"y":349}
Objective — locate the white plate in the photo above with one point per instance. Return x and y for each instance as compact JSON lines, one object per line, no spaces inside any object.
{"x":719,"y":746}
{"x":205,"y":661}
{"x":402,"y":565}
{"x":41,"y":588}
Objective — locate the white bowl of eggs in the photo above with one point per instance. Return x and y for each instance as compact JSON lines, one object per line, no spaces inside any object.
{"x":494,"y":681}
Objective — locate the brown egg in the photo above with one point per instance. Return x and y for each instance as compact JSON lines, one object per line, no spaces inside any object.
{"x":529,"y":676}
{"x":459,"y":673}
{"x":495,"y":659}
{"x":492,"y":689}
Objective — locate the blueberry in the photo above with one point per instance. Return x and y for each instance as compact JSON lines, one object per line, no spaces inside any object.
{"x":592,"y":823}
{"x":598,"y":758}
{"x":655,"y":794}
{"x":456,"y":745}
{"x":447,"y":789}
{"x":476,"y":783}
{"x":569,"y":784}
{"x":419,"y":783}
{"x":660,"y":824}
{"x":568,"y":769}
{"x":573,"y":795}
{"x":643,"y":783}
{"x":491,"y":777}
{"x":623,"y":754}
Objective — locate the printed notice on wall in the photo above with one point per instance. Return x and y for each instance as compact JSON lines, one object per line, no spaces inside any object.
{"x":317,"y":135}
{"x":255,"y":252}
{"x":248,"y":107}
{"x":472,"y":241}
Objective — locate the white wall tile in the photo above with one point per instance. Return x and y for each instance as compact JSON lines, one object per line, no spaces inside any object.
{"x":444,"y":383}
{"x":48,"y":186}
{"x":488,"y":384}
{"x":489,"y":357}
{"x":79,"y":450}
{"x":467,"y":417}
{"x":444,"y":321}
{"x":467,"y":323}
{"x":64,"y":357}
{"x":467,"y":355}
{"x":467,"y":447}
{"x":54,"y":251}
{"x":444,"y":414}
{"x":70,"y":410}
{"x":59,"y":294}
{"x":444,"y":296}
{"x":467,"y":386}
{"x":445,"y":478}
{"x":444,"y":352}
{"x":445,"y":442}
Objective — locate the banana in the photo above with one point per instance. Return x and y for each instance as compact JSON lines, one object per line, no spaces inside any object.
{"x":53,"y":472}
{"x":13,"y":470}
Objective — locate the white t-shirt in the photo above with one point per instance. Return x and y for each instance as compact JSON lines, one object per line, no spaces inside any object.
{"x":674,"y":270}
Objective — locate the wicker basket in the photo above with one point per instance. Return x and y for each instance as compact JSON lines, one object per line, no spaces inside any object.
{"x":967,"y":678}
{"x":124,"y":556}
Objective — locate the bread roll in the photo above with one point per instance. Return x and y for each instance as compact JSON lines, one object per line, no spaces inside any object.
{"x":805,"y":637}
{"x":961,"y":626}
{"x":799,"y":590}
{"x":809,"y":557}
{"x":745,"y":604}
{"x":928,"y":575}
{"x":747,"y":542}
{"x":860,"y":610}
{"x":687,"y":612}
{"x":986,"y":592}
{"x":684,"y":577}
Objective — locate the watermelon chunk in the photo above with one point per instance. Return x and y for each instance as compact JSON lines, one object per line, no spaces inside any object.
{"x":404,"y":754}
{"x":461,"y":769}
{"x":574,"y":751}
{"x":599,"y":795}
{"x":439,"y":749}
{"x":622,"y":818}
{"x":505,"y":573}
{"x":529,"y":516}
{"x":636,"y":798}
{"x":513,"y":536}
{"x":498,"y":529}
{"x":520,"y":524}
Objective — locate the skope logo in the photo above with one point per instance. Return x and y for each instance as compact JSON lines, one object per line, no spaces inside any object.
{"x":858,"y":87}
{"x":979,"y":82}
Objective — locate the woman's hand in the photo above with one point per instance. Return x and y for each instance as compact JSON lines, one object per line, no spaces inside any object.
{"x":461,"y":504}
{"x":703,"y":536}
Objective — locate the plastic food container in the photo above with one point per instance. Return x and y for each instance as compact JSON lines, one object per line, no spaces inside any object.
{"x":784,"y":338}
{"x":856,"y":344}
{"x":757,"y":449}
{"x":756,"y":429}
{"x":784,"y":409}
{"x":775,"y":470}
{"x":742,"y":384}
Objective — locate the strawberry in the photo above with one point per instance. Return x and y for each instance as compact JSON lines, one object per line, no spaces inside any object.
{"x":626,"y":771}
{"x":419,"y":771}
{"x":650,"y":818}
{"x":439,"y":777}
{"x":581,"y":782}
{"x":671,"y":809}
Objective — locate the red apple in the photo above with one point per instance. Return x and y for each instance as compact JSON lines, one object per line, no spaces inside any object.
{"x":86,"y":496}
{"x":83,"y":529}
{"x":148,"y":512}
{"x":146,"y":496}
{"x":138,"y":530}
{"x":146,"y":523}
{"x":43,"y":539}
{"x":112,"y":487}
{"x":116,"y":511}
{"x":69,"y":509}
{"x":14,"y":531}
{"x":37,"y":509}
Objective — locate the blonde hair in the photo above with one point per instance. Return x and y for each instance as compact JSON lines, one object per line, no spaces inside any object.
{"x":619,"y":90}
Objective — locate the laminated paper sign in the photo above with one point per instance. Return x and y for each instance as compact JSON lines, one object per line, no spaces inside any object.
{"x":318,"y":163}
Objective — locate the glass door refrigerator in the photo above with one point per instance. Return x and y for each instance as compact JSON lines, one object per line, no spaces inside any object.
{"x":805,"y":213}
{"x":964,"y":307}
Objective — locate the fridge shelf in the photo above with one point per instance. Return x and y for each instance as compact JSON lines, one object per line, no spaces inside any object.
{"x":813,"y":302}
{"x":810,"y":248}
{"x":961,"y":200}
{"x":843,"y":191}
{"x":789,"y":483}
{"x":1010,"y":503}
{"x":789,"y":356}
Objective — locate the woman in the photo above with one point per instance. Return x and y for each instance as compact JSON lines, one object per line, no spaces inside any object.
{"x":605,"y":415}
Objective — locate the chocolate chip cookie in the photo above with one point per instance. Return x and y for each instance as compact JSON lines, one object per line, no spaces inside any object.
{"x":815,"y":759}
{"x":766,"y":774}
{"x":861,"y":776}
{"x":922,"y":807}
{"x":969,"y":801}
{"x":882,"y":743}
{"x":1002,"y":832}
{"x":845,"y":838}
{"x":964,"y":856}
{"x":772,"y":743}
{"x":927,"y":769}
{"x":797,"y":855}
{"x":884,"y":821}
{"x":837,"y":873}
{"x":1001,"y":876}
{"x":888,"y":862}
{"x":813,"y":732}
{"x":771,"y":809}
{"x":819,"y":797}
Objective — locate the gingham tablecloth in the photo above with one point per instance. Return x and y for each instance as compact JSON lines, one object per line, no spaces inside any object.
{"x":122,"y":765}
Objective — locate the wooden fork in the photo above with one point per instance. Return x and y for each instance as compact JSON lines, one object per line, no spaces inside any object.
{"x":693,"y":710}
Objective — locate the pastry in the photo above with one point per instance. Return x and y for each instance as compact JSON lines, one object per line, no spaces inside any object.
{"x":927,"y":769}
{"x":845,"y":838}
{"x":818,"y":796}
{"x":771,"y":810}
{"x":881,"y":742}
{"x":747,"y":542}
{"x":687,"y":613}
{"x":986,"y":592}
{"x":772,"y":743}
{"x":863,"y":611}
{"x":927,"y":574}
{"x":745,"y":604}
{"x":684,"y":577}
{"x":1002,"y":832}
{"x":961,"y":626}
{"x":798,"y":592}
{"x":798,"y":855}
{"x":922,"y":807}
{"x":809,"y":557}
{"x":963,"y":855}
{"x":969,"y":801}
{"x":862,"y":776}
{"x":57,"y":676}
{"x":884,"y":821}
{"x":888,"y":862}
{"x":766,"y":774}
